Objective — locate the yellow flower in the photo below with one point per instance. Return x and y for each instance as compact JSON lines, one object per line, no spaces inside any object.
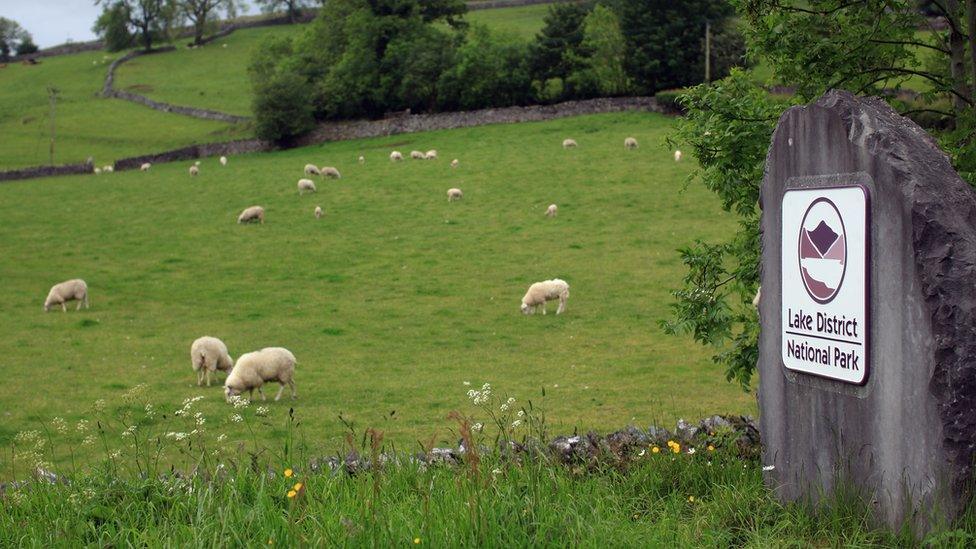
{"x":298,"y":486}
{"x":655,"y":449}
{"x":289,"y":473}
{"x":711,"y":448}
{"x":671,"y":443}
{"x":676,"y":448}
{"x":691,"y":499}
{"x":292,"y":493}
{"x":416,"y":541}
{"x":270,"y":542}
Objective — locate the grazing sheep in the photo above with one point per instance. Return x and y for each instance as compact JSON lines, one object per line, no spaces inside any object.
{"x":253,"y":370}
{"x":194,"y":170}
{"x":551,"y":210}
{"x":223,"y":160}
{"x":454,"y":194}
{"x":541,"y":292}
{"x":98,"y":171}
{"x":254,"y":213}
{"x":417,"y":155}
{"x":306,"y":185}
{"x":70,"y":290}
{"x":569,"y":143}
{"x":329,"y":171}
{"x":108,"y":169}
{"x":454,"y":163}
{"x":630,"y":143}
{"x":145,"y":167}
{"x":312,"y":170}
{"x":755,"y":300}
{"x":362,"y":159}
{"x":395,"y":156}
{"x":207,"y":355}
{"x":677,"y":156}
{"x":318,"y":212}
{"x":431,"y":155}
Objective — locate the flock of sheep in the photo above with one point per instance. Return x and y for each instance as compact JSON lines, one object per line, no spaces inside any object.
{"x":277,"y":364}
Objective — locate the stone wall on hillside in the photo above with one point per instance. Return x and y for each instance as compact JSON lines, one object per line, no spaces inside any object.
{"x":46,"y":171}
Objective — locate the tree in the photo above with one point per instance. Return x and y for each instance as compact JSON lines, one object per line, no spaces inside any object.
{"x":27,"y":46}
{"x":292,"y":8}
{"x":869,"y":47}
{"x":491,"y":71}
{"x":12,"y":38}
{"x":151,"y":19}
{"x":664,"y":40}
{"x":201,"y":13}
{"x":113,"y":27}
{"x":555,"y":52}
{"x":601,"y":72}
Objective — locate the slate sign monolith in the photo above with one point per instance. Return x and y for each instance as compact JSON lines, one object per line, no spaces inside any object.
{"x":867,"y":353}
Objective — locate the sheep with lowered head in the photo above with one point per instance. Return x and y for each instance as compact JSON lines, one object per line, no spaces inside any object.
{"x":454,"y":163}
{"x":396,"y":156}
{"x":69,"y":290}
{"x":254,"y":213}
{"x":431,"y":155}
{"x":145,"y":167}
{"x":311,"y":169}
{"x":362,"y":159}
{"x":454,"y":194}
{"x":98,"y":171}
{"x":551,"y":210}
{"x":223,"y":160}
{"x":109,"y":168}
{"x":207,"y":355}
{"x":329,"y":171}
{"x":306,"y":185}
{"x":569,"y":143}
{"x":630,"y":143}
{"x":417,"y":155}
{"x":318,"y":212}
{"x":253,"y":370}
{"x":677,"y":156}
{"x":194,"y":170}
{"x":542,"y":292}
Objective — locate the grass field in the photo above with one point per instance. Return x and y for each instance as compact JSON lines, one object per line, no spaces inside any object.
{"x":392,"y":300}
{"x":523,"y":21}
{"x":86,"y":125}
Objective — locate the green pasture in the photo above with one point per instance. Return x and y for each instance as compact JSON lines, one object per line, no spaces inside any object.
{"x":392,"y":302}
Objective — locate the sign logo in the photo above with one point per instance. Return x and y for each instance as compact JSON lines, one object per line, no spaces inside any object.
{"x":822,"y":250}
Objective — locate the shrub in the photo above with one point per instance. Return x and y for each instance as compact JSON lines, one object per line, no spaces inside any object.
{"x":491,"y":71}
{"x":283,"y":107}
{"x":669,"y":100}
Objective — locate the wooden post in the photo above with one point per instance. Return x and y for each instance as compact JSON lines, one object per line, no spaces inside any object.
{"x":52,"y":94}
{"x":708,"y":51}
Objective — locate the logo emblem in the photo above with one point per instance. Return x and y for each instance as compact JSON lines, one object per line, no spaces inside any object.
{"x":823,"y":250}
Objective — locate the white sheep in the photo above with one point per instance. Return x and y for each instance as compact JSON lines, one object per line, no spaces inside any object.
{"x":253,"y":370}
{"x":677,"y":156}
{"x":318,"y":212}
{"x":551,"y":210}
{"x":254,"y":213}
{"x":417,"y":155}
{"x":98,"y":171}
{"x":194,"y":170}
{"x":454,"y":163}
{"x":207,"y":355}
{"x":630,"y":143}
{"x":108,"y":169}
{"x":145,"y":167}
{"x":66,"y":291}
{"x":569,"y":143}
{"x":223,"y":160}
{"x":329,"y":171}
{"x":542,"y":292}
{"x":755,"y":300}
{"x":311,"y":169}
{"x":396,"y":156}
{"x":431,"y":155}
{"x":306,"y":185}
{"x":362,"y":159}
{"x":454,"y":194}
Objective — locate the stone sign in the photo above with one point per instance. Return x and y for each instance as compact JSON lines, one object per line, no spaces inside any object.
{"x":867,"y":350}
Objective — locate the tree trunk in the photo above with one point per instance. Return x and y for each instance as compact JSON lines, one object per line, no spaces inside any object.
{"x":957,"y":57}
{"x":971,"y":29}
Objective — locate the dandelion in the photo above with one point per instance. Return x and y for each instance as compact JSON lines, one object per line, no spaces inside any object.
{"x":671,"y":444}
{"x":768,"y":467}
{"x":676,"y":448}
{"x":711,"y":448}
{"x":60,"y":425}
{"x":289,"y":473}
{"x":292,"y":493}
{"x":262,"y":411}
{"x":655,"y":450}
{"x":236,"y":418}
{"x":416,"y":541}
{"x":691,"y":499}
{"x":298,"y":486}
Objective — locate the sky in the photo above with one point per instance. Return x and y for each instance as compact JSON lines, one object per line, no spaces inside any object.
{"x":53,"y":22}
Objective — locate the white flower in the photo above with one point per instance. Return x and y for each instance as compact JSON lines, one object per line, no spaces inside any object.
{"x":239,"y":402}
{"x":504,"y":407}
{"x":177,"y":436}
{"x":691,"y":450}
{"x":521,"y":413}
{"x":82,"y":425}
{"x":768,"y":467}
{"x":236,"y":418}
{"x":129,"y":431}
{"x":496,"y":471}
{"x":478,"y":427}
{"x":89,"y":440}
{"x":222,"y":437}
{"x":642,"y":452}
{"x":510,"y":401}
{"x":262,"y":411}
{"x":99,"y":405}
{"x":516,"y":423}
{"x":149,"y":411}
{"x":115,"y":454}
{"x":466,"y":383}
{"x":60,"y":425}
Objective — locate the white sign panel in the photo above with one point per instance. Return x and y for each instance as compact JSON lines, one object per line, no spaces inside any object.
{"x":826,"y":257}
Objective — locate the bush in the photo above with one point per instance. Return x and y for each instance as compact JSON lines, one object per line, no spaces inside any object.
{"x":491,"y":71}
{"x":283,"y":107}
{"x":669,"y":100}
